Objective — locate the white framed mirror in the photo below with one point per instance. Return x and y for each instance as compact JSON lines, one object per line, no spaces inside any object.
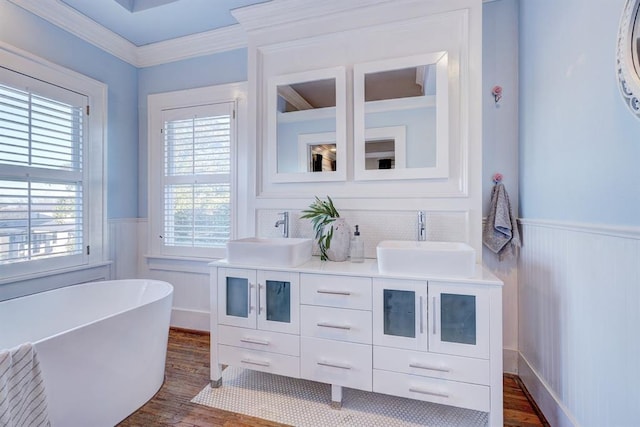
{"x":628,"y":56}
{"x":306,"y":121}
{"x":401,"y":125}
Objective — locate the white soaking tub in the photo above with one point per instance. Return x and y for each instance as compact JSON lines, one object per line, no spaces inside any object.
{"x":102,"y":346}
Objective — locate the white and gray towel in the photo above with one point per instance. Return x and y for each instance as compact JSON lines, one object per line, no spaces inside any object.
{"x":22,"y":394}
{"x":500,"y":232}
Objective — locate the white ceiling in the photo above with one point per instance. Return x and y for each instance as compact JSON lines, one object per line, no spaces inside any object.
{"x":144,"y":22}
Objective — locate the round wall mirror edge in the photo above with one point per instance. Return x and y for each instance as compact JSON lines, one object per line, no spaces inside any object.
{"x":628,"y":56}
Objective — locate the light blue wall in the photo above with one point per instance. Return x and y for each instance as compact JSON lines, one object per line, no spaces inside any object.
{"x":579,"y":146}
{"x":226,"y":67}
{"x":30,"y":33}
{"x":500,"y":120}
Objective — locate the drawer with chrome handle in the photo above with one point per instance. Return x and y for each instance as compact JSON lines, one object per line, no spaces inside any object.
{"x":335,"y":291}
{"x":335,"y":362}
{"x":274,"y":342}
{"x":335,"y":324}
{"x":274,"y":363}
{"x":460,"y":394}
{"x":434,"y":365}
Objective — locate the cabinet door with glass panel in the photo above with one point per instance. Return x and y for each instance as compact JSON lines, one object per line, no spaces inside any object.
{"x":267,"y":300}
{"x":278,"y":301}
{"x":459,"y":319}
{"x":400,"y":313}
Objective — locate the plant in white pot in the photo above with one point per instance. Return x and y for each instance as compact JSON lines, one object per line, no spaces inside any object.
{"x":332,"y":233}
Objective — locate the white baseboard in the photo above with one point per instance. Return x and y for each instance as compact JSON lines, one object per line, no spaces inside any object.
{"x":510,"y":361}
{"x":190,"y":319}
{"x":554,"y":411}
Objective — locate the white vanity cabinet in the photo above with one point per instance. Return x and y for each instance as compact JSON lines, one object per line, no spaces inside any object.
{"x":258,"y":319}
{"x":347,"y":325}
{"x":431,"y":341}
{"x":335,"y":332}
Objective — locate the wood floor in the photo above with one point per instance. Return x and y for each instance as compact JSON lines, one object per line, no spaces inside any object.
{"x":188,"y":372}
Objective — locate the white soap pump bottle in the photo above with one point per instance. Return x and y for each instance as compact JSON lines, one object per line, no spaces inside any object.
{"x":357,"y":247}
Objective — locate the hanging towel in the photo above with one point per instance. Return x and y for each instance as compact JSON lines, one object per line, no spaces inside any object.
{"x":22,"y":395}
{"x":501,"y":230}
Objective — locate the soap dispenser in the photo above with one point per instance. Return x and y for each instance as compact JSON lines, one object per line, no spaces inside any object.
{"x":357,"y":247}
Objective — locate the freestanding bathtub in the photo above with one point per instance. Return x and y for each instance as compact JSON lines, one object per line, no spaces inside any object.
{"x":102,"y":346}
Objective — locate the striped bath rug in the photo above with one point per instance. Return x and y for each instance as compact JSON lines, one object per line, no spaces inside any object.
{"x":300,"y":402}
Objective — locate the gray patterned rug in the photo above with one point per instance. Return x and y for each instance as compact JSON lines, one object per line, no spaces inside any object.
{"x":306,"y":403}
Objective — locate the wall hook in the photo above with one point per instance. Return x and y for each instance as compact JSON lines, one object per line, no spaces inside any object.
{"x":497,"y":177}
{"x":497,"y":93}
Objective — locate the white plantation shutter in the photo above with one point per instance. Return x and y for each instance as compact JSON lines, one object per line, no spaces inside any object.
{"x":42,"y":174}
{"x":197,"y":178}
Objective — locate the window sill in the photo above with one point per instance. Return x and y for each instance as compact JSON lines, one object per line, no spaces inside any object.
{"x":176,"y":263}
{"x":49,"y":273}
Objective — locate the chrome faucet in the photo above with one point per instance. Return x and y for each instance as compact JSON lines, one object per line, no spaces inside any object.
{"x":422,"y":229}
{"x":284,"y":221}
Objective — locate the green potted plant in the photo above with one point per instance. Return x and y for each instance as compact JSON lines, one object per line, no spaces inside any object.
{"x":331,"y":232}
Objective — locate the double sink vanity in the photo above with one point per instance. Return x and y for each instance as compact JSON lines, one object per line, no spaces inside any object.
{"x":380,"y":106}
{"x":423,"y":321}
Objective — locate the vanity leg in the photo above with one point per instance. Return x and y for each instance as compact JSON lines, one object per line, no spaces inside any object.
{"x":216,"y":376}
{"x":336,"y":396}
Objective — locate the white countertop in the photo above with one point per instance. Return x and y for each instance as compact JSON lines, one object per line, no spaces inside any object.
{"x":367,"y":268}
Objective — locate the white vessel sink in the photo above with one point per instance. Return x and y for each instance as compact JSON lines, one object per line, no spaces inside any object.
{"x":278,"y":252}
{"x":426,"y":258}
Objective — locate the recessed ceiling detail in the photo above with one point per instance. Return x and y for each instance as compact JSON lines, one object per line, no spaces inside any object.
{"x":138,"y":5}
{"x":143,"y":22}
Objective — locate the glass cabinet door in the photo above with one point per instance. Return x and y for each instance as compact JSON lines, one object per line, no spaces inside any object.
{"x":399,"y":313}
{"x":278,"y":301}
{"x":459,"y":320}
{"x":237,"y":297}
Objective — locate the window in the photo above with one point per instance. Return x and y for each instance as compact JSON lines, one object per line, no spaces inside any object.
{"x":46,"y":221}
{"x":192,"y":174}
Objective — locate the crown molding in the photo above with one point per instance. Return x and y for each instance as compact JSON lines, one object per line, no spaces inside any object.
{"x":72,"y":21}
{"x":206,"y":43}
{"x":278,"y":12}
{"x":251,"y":18}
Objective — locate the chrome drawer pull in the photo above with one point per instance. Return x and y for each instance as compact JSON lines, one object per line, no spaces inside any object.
{"x":255,"y":362}
{"x":333,"y":365}
{"x":324,"y":291}
{"x":430,"y":393}
{"x":329,"y":325}
{"x":254,"y":341}
{"x":430,"y":368}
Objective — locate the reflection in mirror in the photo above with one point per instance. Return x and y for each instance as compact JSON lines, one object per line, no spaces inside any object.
{"x":303,"y":109}
{"x":307,"y":126}
{"x":402,"y":102}
{"x":384,"y":147}
{"x":317,"y":152}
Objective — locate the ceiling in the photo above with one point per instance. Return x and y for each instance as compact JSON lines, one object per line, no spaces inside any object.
{"x":143,"y":22}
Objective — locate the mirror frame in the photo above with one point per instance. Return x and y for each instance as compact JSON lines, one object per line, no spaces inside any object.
{"x":441,"y":168}
{"x":340,"y":174}
{"x":627,"y":70}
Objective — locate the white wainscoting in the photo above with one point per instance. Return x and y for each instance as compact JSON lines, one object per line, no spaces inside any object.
{"x":123,"y":247}
{"x":579,"y":322}
{"x":190,"y":280}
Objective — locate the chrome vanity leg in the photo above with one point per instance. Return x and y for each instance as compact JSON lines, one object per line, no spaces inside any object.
{"x":216,"y":383}
{"x":336,"y":396}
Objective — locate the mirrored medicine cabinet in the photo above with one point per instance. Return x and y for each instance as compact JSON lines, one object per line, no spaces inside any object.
{"x":401,"y":118}
{"x":307,"y":126}
{"x":400,"y":121}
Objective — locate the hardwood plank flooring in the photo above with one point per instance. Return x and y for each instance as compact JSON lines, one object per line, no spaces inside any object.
{"x":188,"y":372}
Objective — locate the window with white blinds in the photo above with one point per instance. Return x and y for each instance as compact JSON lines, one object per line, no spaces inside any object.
{"x":197,"y":145}
{"x":42,"y":172}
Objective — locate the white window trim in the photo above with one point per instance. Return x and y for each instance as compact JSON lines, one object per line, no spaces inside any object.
{"x":94,"y":146}
{"x":156,"y":103}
